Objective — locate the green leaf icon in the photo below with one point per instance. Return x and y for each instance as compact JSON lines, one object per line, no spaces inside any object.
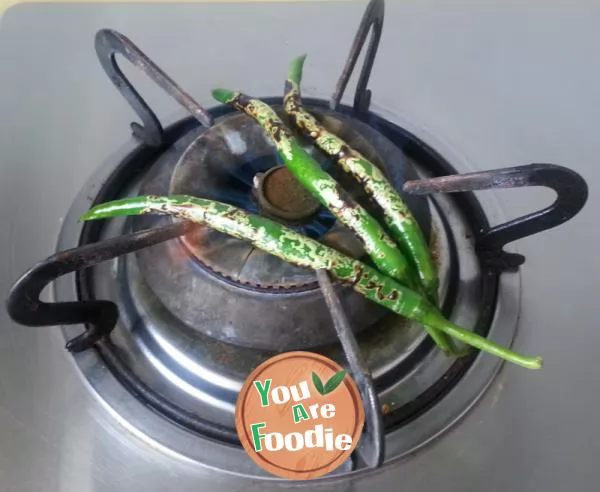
{"x":334,"y":382}
{"x":318,"y":383}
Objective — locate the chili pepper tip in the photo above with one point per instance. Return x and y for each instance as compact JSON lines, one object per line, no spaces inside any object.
{"x":295,"y":73}
{"x":538,"y":363}
{"x":89,"y":215}
{"x":223,"y":95}
{"x":117,"y":208}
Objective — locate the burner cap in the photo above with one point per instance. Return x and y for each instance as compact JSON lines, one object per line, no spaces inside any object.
{"x":281,"y":195}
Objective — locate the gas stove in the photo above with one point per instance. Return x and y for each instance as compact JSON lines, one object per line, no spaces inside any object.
{"x":172,"y":317}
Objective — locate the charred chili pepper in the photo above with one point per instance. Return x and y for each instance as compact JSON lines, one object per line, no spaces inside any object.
{"x":398,"y":217}
{"x":300,"y":250}
{"x":378,"y":245}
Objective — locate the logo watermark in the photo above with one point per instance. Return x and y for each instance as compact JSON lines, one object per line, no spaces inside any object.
{"x":299,"y":415}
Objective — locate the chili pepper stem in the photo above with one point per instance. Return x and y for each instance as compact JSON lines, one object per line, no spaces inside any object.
{"x":296,"y":69}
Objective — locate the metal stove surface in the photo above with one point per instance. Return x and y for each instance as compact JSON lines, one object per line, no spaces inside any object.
{"x":485,"y":85}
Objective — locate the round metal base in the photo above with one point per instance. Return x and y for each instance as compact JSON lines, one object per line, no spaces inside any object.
{"x":226,"y":288}
{"x":422,"y":391}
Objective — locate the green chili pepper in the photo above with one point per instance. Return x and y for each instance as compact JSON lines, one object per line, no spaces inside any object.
{"x":398,"y":217}
{"x":300,"y":250}
{"x":378,"y":245}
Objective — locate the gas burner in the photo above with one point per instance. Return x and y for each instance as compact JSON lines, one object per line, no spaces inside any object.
{"x":226,"y":288}
{"x":177,"y":315}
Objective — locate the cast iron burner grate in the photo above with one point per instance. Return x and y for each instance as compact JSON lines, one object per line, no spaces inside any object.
{"x":100,"y":316}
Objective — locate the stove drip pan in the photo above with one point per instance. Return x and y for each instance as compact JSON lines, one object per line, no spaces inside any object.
{"x":191,"y":377}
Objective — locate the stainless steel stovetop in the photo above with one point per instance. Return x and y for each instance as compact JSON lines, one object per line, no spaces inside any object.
{"x":487,"y":86}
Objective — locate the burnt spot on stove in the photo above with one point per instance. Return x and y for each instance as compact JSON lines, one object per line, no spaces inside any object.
{"x":434,"y":247}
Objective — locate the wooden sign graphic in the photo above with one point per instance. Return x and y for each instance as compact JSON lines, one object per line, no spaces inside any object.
{"x":299,"y":415}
